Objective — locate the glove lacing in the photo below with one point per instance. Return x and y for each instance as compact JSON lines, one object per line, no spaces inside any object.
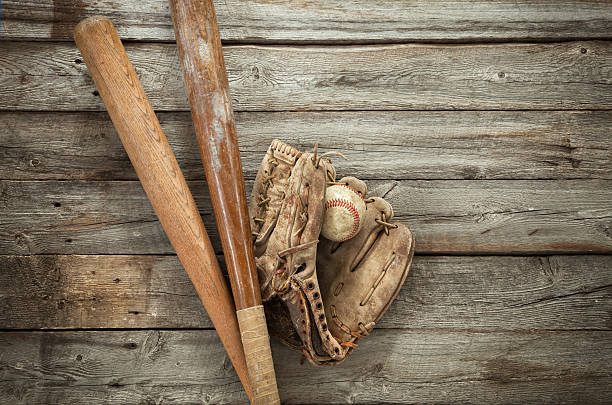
{"x":263,"y":198}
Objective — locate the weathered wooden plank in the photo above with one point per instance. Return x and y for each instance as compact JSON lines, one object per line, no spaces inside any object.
{"x":325,"y":21}
{"x":504,"y":217}
{"x":568,"y":75}
{"x":389,"y":367}
{"x":453,"y":217}
{"x":398,"y":144}
{"x":441,"y":292}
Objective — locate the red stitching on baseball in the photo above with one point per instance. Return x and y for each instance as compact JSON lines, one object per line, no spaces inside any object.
{"x":338,"y":202}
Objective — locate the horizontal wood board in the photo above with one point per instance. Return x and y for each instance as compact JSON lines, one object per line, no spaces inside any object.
{"x":391,"y":366}
{"x":447,"y":216}
{"x":559,"y":76}
{"x":324,"y":21}
{"x":485,"y":123}
{"x":378,"y":144}
{"x":487,"y":293}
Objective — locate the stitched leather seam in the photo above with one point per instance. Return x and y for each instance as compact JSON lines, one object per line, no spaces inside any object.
{"x":284,"y":148}
{"x":342,"y":203}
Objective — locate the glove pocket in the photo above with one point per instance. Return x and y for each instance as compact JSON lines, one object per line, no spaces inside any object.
{"x":356,"y":298}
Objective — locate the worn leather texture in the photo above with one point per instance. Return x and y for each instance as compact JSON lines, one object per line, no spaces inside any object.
{"x":321,"y":297}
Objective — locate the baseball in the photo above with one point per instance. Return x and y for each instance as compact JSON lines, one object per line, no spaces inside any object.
{"x":344,"y":210}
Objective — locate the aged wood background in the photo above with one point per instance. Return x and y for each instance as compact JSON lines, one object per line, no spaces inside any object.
{"x":486,"y":123}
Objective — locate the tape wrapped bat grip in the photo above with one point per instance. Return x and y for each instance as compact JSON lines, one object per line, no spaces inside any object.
{"x":256,"y":343}
{"x":161,"y":177}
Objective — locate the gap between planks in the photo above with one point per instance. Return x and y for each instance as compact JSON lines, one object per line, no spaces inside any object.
{"x":318,"y":21}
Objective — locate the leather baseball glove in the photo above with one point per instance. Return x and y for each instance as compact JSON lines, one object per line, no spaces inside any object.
{"x":321,"y":297}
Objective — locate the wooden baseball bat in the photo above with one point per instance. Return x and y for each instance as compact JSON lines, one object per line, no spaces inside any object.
{"x":161,"y":177}
{"x":199,"y":46}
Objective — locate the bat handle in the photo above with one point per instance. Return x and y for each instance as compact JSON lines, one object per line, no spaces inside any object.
{"x":256,"y":344}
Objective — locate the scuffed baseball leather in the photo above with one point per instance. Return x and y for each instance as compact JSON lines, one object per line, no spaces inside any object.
{"x":321,"y":297}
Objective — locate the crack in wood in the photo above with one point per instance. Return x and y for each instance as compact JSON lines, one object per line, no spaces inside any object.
{"x":561,"y":297}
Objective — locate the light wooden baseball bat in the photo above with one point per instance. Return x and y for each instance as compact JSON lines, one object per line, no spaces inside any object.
{"x":199,"y":46}
{"x":161,"y":177}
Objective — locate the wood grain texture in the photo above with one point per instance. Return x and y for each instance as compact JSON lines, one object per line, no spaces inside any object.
{"x":446,"y":216}
{"x":389,"y":367}
{"x":561,"y":76}
{"x":479,"y":293}
{"x":161,"y":178}
{"x":464,"y":329}
{"x":203,"y":66}
{"x":401,"y":144}
{"x":201,"y":55}
{"x":325,"y":21}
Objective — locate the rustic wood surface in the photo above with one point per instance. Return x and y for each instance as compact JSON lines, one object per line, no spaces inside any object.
{"x":439,"y":144}
{"x":559,"y":76}
{"x":447,"y":216}
{"x":346,"y":21}
{"x":189,"y":366}
{"x":485,"y":123}
{"x":442,"y":292}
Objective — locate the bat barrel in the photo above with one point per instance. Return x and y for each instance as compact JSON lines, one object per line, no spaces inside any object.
{"x":161,"y":177}
{"x":199,"y":46}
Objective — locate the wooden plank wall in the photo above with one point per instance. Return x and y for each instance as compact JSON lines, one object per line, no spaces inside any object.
{"x":485,"y":123}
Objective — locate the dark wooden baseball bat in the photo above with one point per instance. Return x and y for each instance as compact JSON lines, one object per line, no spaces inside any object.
{"x":199,"y":46}
{"x":161,"y":177}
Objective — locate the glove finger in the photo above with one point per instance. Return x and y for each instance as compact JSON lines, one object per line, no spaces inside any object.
{"x":358,"y":185}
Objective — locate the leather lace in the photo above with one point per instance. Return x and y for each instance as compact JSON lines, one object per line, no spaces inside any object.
{"x":263,"y":198}
{"x":356,"y":335}
{"x":385,"y":224}
{"x":383,"y":219}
